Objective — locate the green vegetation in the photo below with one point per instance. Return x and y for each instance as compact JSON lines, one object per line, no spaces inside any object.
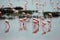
{"x":54,"y":14}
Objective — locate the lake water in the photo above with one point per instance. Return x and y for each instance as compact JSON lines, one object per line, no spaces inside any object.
{"x":15,"y":34}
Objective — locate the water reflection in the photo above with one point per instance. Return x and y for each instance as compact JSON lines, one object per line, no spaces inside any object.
{"x":15,"y":25}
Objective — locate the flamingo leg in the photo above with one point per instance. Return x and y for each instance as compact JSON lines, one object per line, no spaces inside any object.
{"x":20,"y":29}
{"x":24,"y":27}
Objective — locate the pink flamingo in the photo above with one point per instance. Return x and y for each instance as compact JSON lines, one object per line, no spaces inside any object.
{"x":35,"y":24}
{"x":22,"y":21}
{"x":7,"y":22}
{"x":49,"y":22}
{"x":43,"y":26}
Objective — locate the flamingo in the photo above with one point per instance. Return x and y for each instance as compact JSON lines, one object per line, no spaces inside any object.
{"x":49,"y":24}
{"x":22,"y":21}
{"x":25,"y":20}
{"x":7,"y":22}
{"x":35,"y":24}
{"x":43,"y":26}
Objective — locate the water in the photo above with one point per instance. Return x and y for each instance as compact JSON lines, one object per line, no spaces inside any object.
{"x":15,"y":34}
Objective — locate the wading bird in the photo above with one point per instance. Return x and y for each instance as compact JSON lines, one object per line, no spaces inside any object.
{"x":22,"y":24}
{"x":8,"y":26}
{"x":35,"y":25}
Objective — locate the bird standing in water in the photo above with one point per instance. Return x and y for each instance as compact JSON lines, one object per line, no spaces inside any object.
{"x":49,"y":22}
{"x":35,"y":25}
{"x":8,"y":26}
{"x":22,"y":24}
{"x":43,"y":25}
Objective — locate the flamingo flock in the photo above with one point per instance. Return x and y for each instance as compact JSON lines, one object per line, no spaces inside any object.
{"x":36,"y":25}
{"x":35,"y":22}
